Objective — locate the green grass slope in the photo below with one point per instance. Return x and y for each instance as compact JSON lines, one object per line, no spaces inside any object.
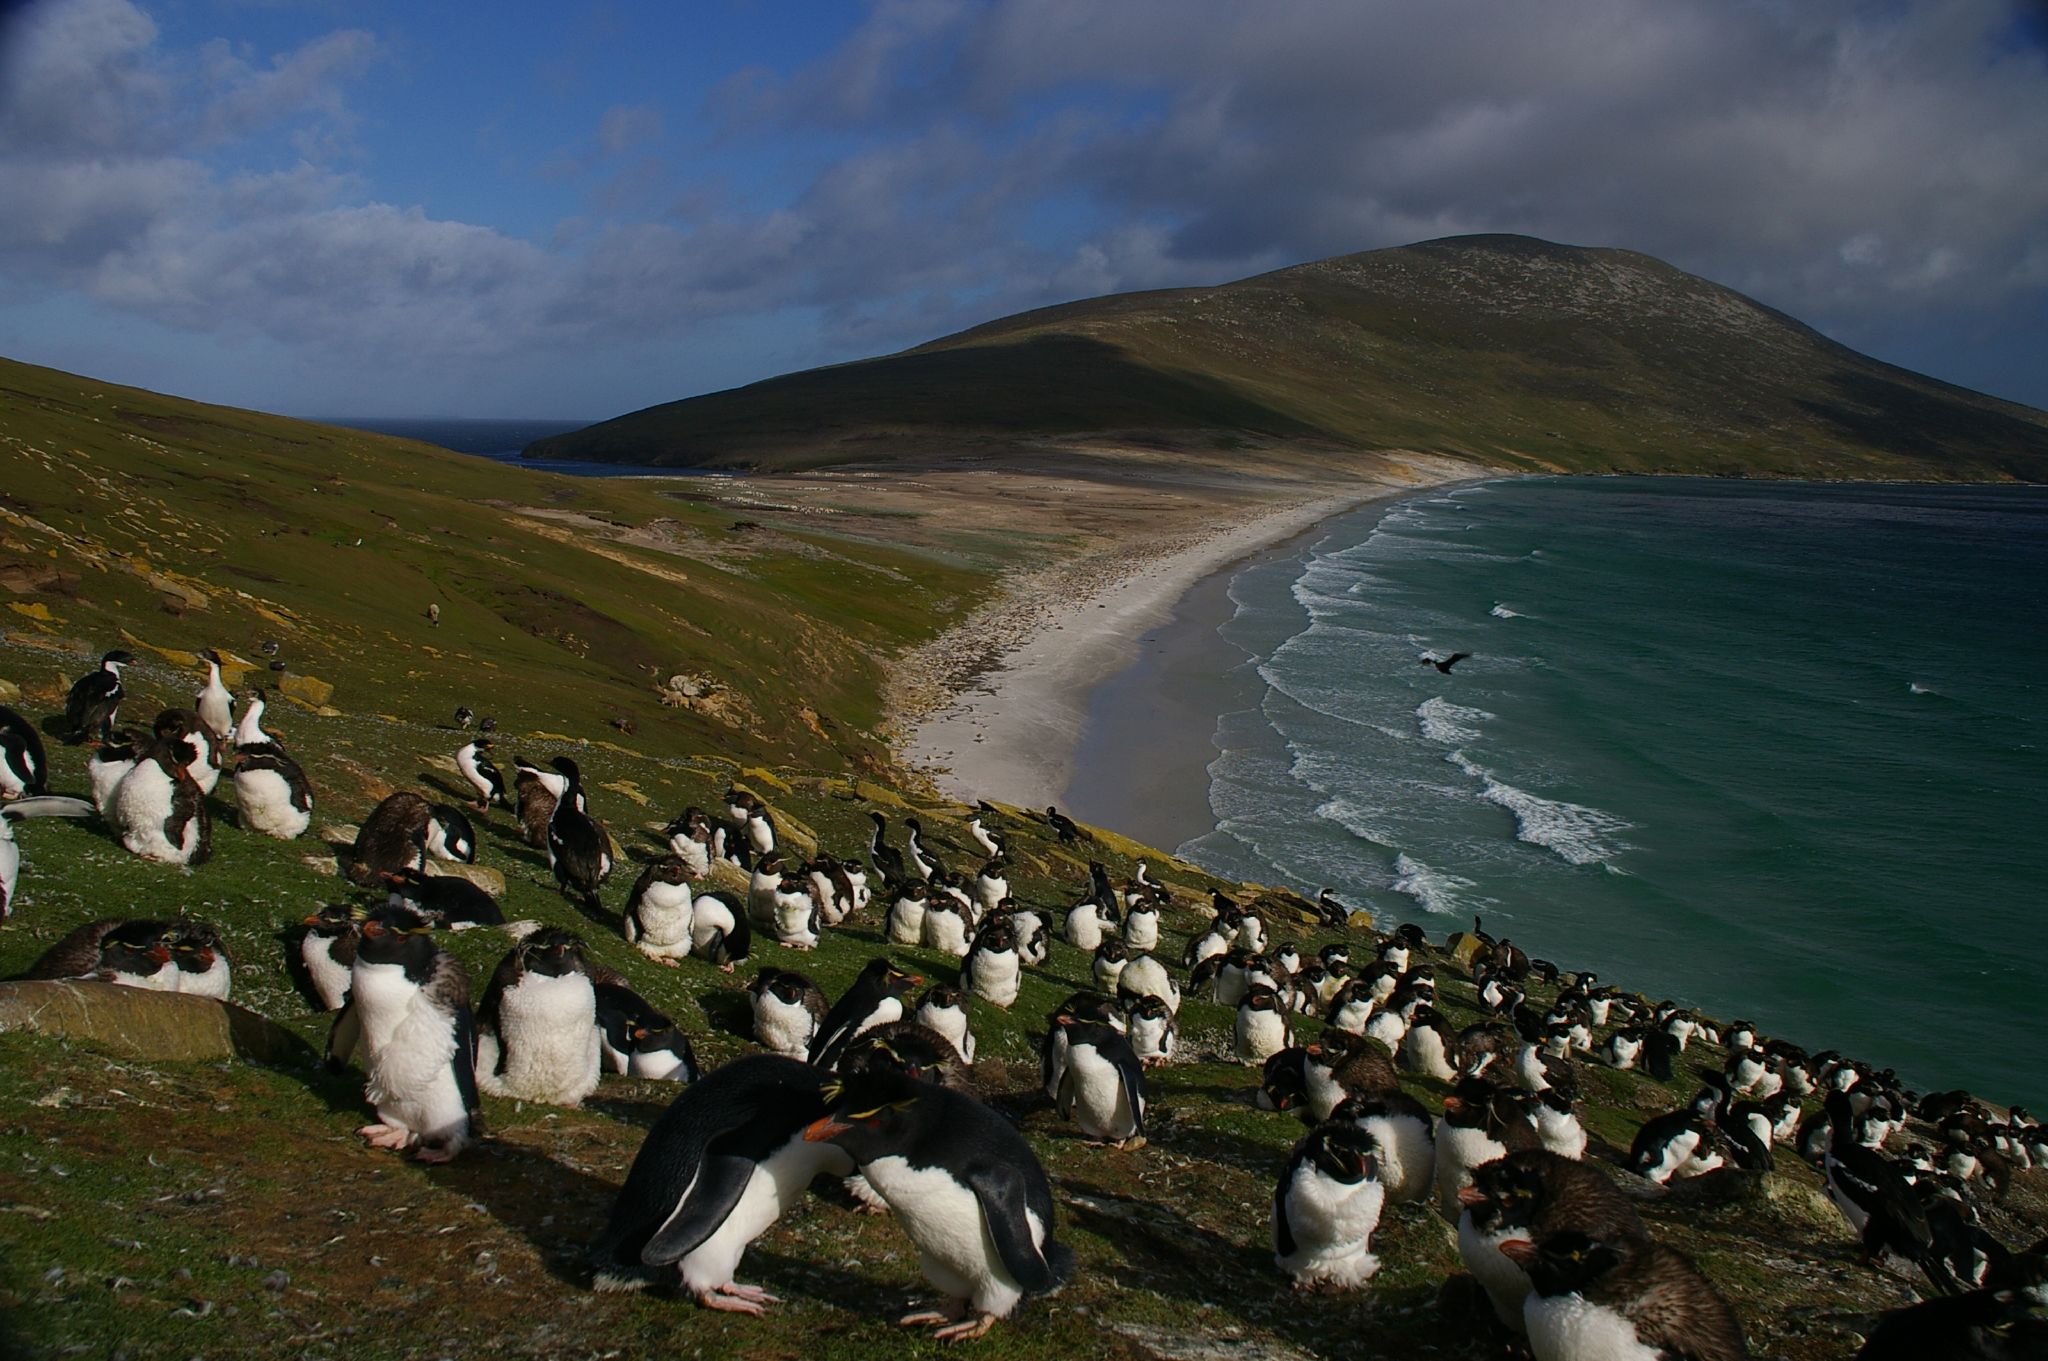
{"x":1516,"y":351}
{"x":565,"y":604}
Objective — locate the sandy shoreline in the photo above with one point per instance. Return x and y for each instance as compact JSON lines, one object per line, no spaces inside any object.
{"x":1008,"y":729}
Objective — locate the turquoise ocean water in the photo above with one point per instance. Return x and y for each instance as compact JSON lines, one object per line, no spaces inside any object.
{"x":1776,"y":750}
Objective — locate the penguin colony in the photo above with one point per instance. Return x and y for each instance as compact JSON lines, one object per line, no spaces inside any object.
{"x":877,"y":1087}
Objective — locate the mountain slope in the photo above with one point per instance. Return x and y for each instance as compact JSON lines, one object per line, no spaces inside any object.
{"x":564,"y":604}
{"x":1514,"y":350}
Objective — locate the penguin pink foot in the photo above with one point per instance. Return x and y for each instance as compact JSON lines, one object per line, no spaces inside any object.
{"x":386,"y":1136}
{"x":735,"y":1298}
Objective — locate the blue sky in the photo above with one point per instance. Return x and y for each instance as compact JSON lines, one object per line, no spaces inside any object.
{"x":569,"y":210}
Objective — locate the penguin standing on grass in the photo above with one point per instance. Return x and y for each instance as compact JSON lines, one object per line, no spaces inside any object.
{"x":941,"y":1160}
{"x":537,"y":1035}
{"x":660,"y":911}
{"x":535,"y":792}
{"x":943,"y":1009}
{"x":408,"y":1010}
{"x":1102,"y":1088}
{"x":579,"y":851}
{"x":327,"y":953}
{"x":874,"y":998}
{"x":992,"y":971}
{"x":159,"y":811}
{"x":214,"y":704}
{"x":483,"y":775}
{"x":271,"y":789}
{"x":24,"y":766}
{"x":637,"y":1040}
{"x":720,"y":1166}
{"x":1327,"y":1207}
{"x":788,"y":1009}
{"x":95,"y":699}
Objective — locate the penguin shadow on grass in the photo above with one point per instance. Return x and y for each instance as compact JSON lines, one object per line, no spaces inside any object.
{"x":1150,"y":1232}
{"x":727,"y":1010}
{"x":553,"y":1206}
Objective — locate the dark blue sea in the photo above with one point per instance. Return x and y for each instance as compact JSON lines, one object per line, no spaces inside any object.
{"x":1776,"y":750}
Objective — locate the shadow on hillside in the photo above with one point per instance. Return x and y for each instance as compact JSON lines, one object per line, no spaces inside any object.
{"x":728,"y":1011}
{"x":1885,"y":414}
{"x":553,"y":1206}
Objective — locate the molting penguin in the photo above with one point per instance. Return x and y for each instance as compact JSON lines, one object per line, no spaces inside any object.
{"x":1262,"y":1029}
{"x":788,"y":1009}
{"x":159,"y":811}
{"x":327,"y":953}
{"x":941,"y":1160}
{"x":408,"y":1008}
{"x":35,"y":806}
{"x":270,"y":788}
{"x":1480,"y":1122}
{"x":992,"y":970}
{"x":579,"y":851}
{"x":1145,"y":976}
{"x":446,"y":900}
{"x":1622,"y":1298}
{"x":719,"y":1167}
{"x":660,"y":911}
{"x":214,"y":705}
{"x":24,"y":766}
{"x":400,"y":833}
{"x":945,"y":926}
{"x":1527,"y":1195}
{"x":1102,"y":1088}
{"x":481,"y":772}
{"x":2004,"y":1320}
{"x":1401,"y":1126}
{"x":690,"y":840}
{"x":537,"y":1026}
{"x":95,"y":699}
{"x":1327,"y":1207}
{"x":874,"y":998}
{"x":1876,"y":1199}
{"x":535,"y":793}
{"x":905,"y":923}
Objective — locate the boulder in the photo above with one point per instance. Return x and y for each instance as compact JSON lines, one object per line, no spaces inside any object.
{"x":147,"y":1025}
{"x":306,"y":689}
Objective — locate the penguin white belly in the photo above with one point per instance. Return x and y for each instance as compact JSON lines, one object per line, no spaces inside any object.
{"x":141,"y":804}
{"x":708,"y":917}
{"x":691,"y":852}
{"x":1084,"y":927}
{"x":1324,"y":1095}
{"x":265,"y":798}
{"x":950,"y":1022}
{"x":784,"y":1027}
{"x":1260,"y":1035}
{"x":1571,"y":1328}
{"x":10,"y":872}
{"x":1332,"y":1224}
{"x":205,"y":771}
{"x":944,"y":1218}
{"x":1673,"y":1157}
{"x":1458,"y":1151}
{"x":906,"y":922}
{"x":1352,"y":1016}
{"x":662,"y":920}
{"x":1506,"y":1284}
{"x":106,"y":777}
{"x":993,"y":975}
{"x":946,"y":932}
{"x":1407,"y":1155}
{"x":1422,"y":1051}
{"x":1851,"y":1209}
{"x":1208,"y":947}
{"x":1147,"y":977}
{"x":214,"y":981}
{"x":1529,"y":1069}
{"x":661,"y":1065}
{"x":794,"y":913}
{"x":1092,"y":1094}
{"x":1389,"y":1029}
{"x":408,"y":1056}
{"x":1152,"y":1040}
{"x":546,"y":1040}
{"x":1561,"y":1132}
{"x":1141,"y":931}
{"x":776,"y":1183}
{"x":1252,"y":935}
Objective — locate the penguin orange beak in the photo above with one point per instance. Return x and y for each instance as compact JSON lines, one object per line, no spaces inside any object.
{"x":1451,"y":1103}
{"x":818,"y":1131}
{"x":1472,"y":1195}
{"x":1519,"y":1250}
{"x":313,"y":920}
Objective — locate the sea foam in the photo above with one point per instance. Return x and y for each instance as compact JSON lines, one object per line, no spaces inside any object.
{"x":1448,"y":723}
{"x":1573,"y":832}
{"x":1500,"y":611}
{"x":1435,"y":889}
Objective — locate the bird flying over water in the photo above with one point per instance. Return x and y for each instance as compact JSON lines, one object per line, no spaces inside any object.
{"x":1443,"y":664}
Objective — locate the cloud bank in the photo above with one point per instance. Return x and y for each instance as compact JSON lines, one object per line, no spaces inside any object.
{"x":1867,"y":167}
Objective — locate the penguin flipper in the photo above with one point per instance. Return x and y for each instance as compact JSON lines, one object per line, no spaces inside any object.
{"x":1004,"y":1197}
{"x":1283,"y":1232}
{"x":720,"y":1181}
{"x":465,"y":1068}
{"x":1131,"y":1074}
{"x":343,"y":1036}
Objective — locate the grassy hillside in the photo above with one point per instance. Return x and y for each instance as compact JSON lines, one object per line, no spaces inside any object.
{"x":563,"y":602}
{"x":152,"y":1208}
{"x":1516,"y":351}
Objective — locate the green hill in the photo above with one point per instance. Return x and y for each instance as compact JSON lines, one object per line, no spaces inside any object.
{"x":1512,"y":350}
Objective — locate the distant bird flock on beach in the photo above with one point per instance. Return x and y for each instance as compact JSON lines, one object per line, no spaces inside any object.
{"x":876,"y":1089}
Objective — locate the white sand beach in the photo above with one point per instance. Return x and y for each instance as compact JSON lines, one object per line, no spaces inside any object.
{"x":1008,"y":733}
